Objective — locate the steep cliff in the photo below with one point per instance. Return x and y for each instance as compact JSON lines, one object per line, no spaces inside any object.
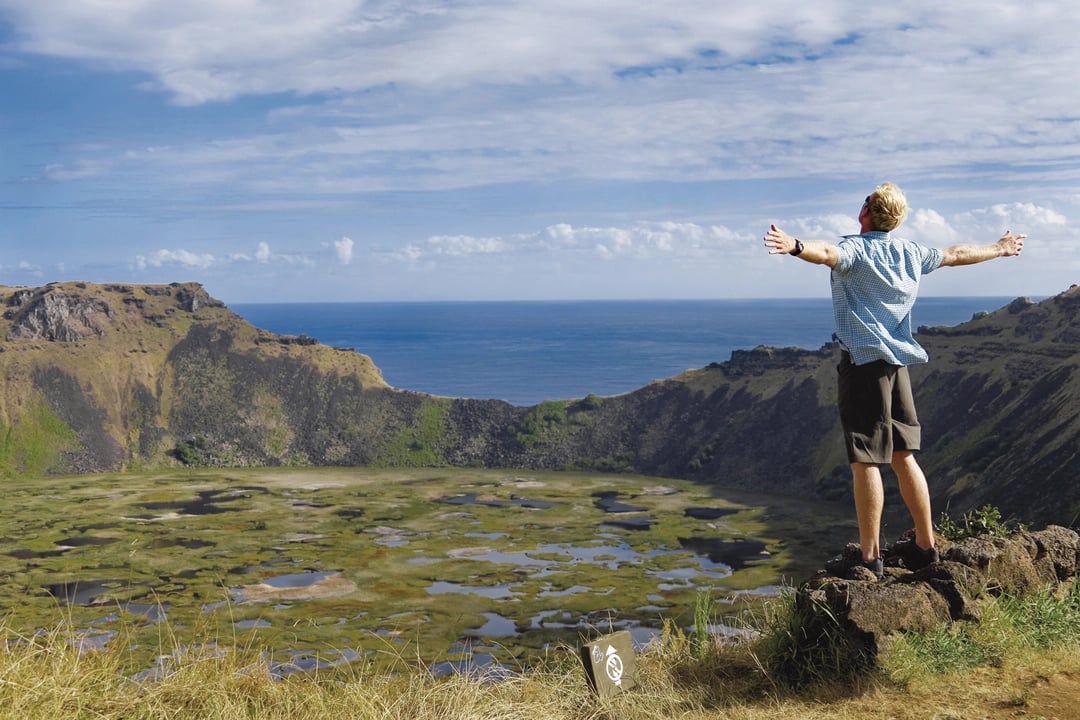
{"x":105,"y":377}
{"x":100,"y":377}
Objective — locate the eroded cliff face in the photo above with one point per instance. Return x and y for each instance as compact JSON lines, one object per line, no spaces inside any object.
{"x":38,"y":315}
{"x":98,"y":377}
{"x":102,"y":377}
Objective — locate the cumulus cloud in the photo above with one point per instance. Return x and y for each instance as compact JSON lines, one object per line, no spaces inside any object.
{"x":203,"y":261}
{"x":642,"y":240}
{"x":263,"y":253}
{"x":931,"y":228}
{"x":183,"y":258}
{"x":344,"y":250}
{"x":829,"y":227}
{"x":456,"y":245}
{"x":410,"y":254}
{"x":985,"y":225}
{"x":264,"y":256}
{"x":1014,"y":215}
{"x":23,"y":267}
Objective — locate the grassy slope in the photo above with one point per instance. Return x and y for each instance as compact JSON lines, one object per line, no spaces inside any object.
{"x":127,"y":347}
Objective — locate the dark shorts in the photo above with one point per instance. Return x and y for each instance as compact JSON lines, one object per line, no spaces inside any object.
{"x":877,"y":410}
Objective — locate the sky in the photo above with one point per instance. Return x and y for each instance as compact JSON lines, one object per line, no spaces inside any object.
{"x":351,"y":150}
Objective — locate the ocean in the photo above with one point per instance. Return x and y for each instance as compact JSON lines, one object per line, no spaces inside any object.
{"x":526,"y":352}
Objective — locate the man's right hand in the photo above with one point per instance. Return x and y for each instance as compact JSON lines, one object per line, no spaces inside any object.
{"x":778,"y":241}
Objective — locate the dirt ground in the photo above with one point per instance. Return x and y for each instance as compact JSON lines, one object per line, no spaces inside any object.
{"x":1003,"y":694}
{"x":1052,"y":698}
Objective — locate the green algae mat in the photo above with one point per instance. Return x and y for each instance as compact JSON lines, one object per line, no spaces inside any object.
{"x":450,"y":569}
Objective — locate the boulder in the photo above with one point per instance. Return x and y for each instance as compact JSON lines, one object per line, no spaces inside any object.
{"x":1057,"y":550}
{"x":1006,"y":563}
{"x":846,"y":598}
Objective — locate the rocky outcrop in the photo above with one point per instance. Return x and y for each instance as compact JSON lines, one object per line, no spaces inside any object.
{"x":869,"y":614}
{"x":46,"y":314}
{"x":762,"y":359}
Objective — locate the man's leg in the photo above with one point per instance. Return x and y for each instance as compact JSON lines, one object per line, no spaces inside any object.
{"x":916,"y":496}
{"x":869,"y":501}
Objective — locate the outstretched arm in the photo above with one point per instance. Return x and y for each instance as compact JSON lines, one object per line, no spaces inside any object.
{"x":815,"y":251}
{"x":1007,"y":246}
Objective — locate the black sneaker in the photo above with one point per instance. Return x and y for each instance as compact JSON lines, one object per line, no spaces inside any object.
{"x":914,"y":557}
{"x":849,"y":557}
{"x":875,"y":566}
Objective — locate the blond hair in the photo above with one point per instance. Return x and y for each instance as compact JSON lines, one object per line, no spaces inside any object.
{"x":887,"y":207}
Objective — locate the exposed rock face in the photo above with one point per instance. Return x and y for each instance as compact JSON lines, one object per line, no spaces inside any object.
{"x":48,"y":314}
{"x":99,"y":376}
{"x":871,"y":613}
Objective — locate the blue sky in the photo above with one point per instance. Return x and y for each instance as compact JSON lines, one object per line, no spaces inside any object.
{"x":549,"y":149}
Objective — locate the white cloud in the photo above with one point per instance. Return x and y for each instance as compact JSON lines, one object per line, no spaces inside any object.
{"x":410,"y":254}
{"x":1014,"y":215}
{"x":80,"y":169}
{"x":641,"y":241}
{"x":344,"y":250}
{"x":161,"y":258}
{"x":458,"y":245}
{"x":262,"y":255}
{"x":930,"y":228}
{"x":495,"y":91}
{"x":204,"y":261}
{"x":22,"y":266}
{"x":829,"y":227}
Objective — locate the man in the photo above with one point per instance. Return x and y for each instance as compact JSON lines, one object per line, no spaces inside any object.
{"x":875,"y":280}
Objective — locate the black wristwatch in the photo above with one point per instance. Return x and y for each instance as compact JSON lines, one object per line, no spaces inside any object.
{"x":798,"y":247}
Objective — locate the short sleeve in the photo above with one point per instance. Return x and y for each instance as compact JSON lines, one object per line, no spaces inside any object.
{"x":931,"y":259}
{"x":845,"y":258}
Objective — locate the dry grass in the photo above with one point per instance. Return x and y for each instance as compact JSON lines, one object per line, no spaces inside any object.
{"x":47,"y":677}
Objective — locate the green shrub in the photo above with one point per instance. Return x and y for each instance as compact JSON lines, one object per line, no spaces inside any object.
{"x":984,"y":521}
{"x":419,"y":445}
{"x":193,"y":451}
{"x":540,"y":421}
{"x":592,"y":401}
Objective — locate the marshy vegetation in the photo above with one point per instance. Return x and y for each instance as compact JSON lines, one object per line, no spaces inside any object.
{"x":355,"y":593}
{"x":1021,"y":660}
{"x":449,"y":568}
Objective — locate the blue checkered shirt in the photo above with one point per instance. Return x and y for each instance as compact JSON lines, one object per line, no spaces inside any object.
{"x":874,"y":285}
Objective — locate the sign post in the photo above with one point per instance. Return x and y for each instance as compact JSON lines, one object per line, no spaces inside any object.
{"x":610,"y":664}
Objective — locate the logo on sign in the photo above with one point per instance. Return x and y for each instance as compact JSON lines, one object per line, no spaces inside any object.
{"x":614,"y":666}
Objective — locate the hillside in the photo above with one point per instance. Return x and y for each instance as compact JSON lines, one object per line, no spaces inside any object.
{"x":106,"y":377}
{"x":97,"y":377}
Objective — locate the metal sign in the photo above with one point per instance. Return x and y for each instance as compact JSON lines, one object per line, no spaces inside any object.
{"x":610,"y":664}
